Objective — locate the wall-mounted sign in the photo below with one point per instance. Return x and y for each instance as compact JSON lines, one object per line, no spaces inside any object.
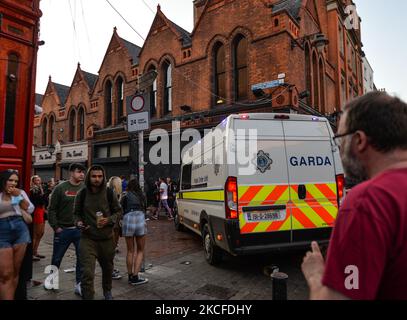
{"x":138,"y":122}
{"x":44,"y":157}
{"x":75,"y":152}
{"x":268,"y":85}
{"x":137,"y":103}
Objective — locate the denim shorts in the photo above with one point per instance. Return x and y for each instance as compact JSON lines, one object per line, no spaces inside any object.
{"x":13,"y":231}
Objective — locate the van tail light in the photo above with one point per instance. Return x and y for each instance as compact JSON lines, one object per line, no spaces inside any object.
{"x":231,"y":203}
{"x":340,"y":187}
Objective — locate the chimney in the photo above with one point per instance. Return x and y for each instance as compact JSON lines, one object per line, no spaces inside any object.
{"x":199,"y":5}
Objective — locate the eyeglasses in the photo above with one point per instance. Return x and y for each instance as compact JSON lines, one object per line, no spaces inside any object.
{"x":338,"y":139}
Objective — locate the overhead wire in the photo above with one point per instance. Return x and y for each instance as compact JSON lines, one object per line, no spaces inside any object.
{"x":148,"y":6}
{"x":76,"y":46}
{"x":86,"y":29}
{"x":117,"y":11}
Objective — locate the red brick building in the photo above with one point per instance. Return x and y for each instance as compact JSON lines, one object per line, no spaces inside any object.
{"x":208,"y":73}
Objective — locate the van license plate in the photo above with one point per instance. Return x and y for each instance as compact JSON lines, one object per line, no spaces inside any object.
{"x":266,"y":216}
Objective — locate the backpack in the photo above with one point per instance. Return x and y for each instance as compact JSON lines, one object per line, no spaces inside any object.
{"x":109,"y":193}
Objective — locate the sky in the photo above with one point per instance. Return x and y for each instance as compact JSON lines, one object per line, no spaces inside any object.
{"x":80,"y":30}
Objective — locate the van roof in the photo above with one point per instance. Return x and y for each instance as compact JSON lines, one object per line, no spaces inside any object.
{"x":272,"y":116}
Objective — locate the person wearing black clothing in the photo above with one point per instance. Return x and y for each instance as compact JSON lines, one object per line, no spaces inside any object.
{"x":38,"y":199}
{"x":134,"y":230}
{"x":172,"y":193}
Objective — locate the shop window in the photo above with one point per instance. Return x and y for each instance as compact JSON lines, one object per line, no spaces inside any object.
{"x":240,"y":68}
{"x":11,"y":99}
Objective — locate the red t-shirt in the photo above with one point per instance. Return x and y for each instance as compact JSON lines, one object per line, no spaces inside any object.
{"x":370,"y":234}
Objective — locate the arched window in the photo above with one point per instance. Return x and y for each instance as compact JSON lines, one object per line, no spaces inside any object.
{"x":167,"y":68}
{"x":108,"y":103}
{"x":44,"y":132}
{"x":322,"y":86}
{"x":316,"y":80}
{"x":72,"y":125}
{"x":220,"y":73}
{"x":240,"y":68}
{"x":308,"y":78}
{"x":153,"y":95}
{"x":81,"y":124}
{"x":51,"y":130}
{"x":119,"y":99}
{"x":11,"y":99}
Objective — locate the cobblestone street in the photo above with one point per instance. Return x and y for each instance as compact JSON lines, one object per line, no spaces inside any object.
{"x":178,"y":272}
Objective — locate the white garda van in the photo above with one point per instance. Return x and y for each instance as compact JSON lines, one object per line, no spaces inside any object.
{"x":286,"y":194}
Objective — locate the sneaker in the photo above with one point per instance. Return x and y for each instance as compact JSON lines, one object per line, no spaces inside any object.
{"x":136,"y":280}
{"x":36,"y":258}
{"x":154,"y":217}
{"x":116,"y":275}
{"x":170,"y":218}
{"x":78,"y":289}
{"x":108,"y":295}
{"x":40,"y":256}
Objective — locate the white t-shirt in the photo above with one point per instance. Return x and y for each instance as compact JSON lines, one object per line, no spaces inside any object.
{"x":164,"y":195}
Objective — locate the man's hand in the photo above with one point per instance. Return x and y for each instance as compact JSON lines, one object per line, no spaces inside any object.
{"x":58,"y":230}
{"x":80,"y":225}
{"x":313,"y":266}
{"x":103,"y":222}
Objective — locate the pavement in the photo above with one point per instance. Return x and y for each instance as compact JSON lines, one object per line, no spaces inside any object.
{"x":177,"y":270}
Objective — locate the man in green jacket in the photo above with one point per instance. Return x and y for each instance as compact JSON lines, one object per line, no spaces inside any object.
{"x":97,"y":232}
{"x":61,"y":219}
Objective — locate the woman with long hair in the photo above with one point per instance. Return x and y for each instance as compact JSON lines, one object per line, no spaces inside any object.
{"x":15,"y":213}
{"x":134,"y":230}
{"x":38,"y":199}
{"x":115,"y":183}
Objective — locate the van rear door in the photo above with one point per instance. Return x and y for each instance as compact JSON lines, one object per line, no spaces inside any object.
{"x":264,"y":195}
{"x":311,"y":177}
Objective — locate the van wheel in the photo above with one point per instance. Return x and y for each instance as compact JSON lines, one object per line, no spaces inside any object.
{"x":213,"y":254}
{"x":177,"y":222}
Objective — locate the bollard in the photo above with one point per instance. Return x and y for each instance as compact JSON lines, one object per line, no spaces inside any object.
{"x":279,"y":280}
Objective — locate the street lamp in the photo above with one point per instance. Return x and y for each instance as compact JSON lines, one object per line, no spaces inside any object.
{"x":318,"y":40}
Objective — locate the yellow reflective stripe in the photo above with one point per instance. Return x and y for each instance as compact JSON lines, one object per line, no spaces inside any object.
{"x":258,"y":199}
{"x":333,"y":188}
{"x":287,"y":224}
{"x":325,"y":203}
{"x":242,"y":190}
{"x":295,"y":224}
{"x":217,"y":195}
{"x":262,"y":194}
{"x":308,"y":211}
{"x":262,"y":227}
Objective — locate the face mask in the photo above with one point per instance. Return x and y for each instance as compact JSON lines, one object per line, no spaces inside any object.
{"x":15,"y":201}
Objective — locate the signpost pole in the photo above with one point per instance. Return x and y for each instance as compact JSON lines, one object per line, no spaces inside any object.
{"x":141,"y":158}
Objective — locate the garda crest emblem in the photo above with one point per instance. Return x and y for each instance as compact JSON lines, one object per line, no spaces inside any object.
{"x":263,"y":161}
